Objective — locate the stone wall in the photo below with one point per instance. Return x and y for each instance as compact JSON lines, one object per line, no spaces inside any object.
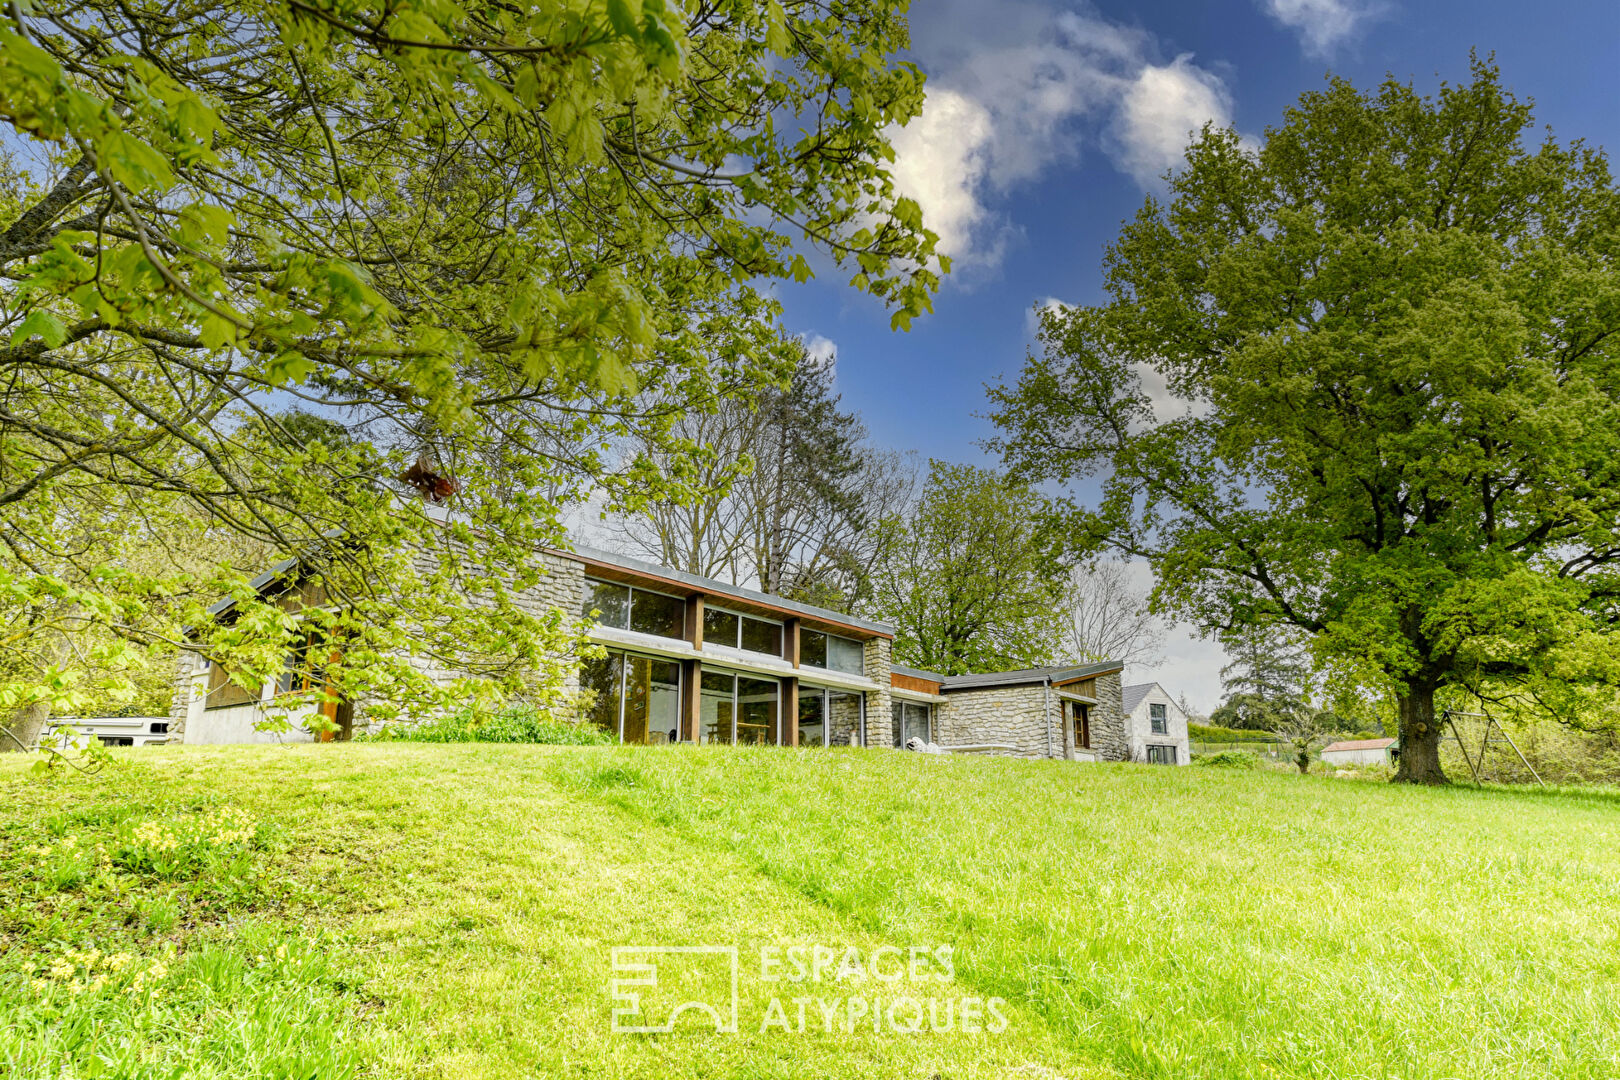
{"x":877,"y":664}
{"x":1109,"y":740}
{"x":1019,"y":716}
{"x":1024,"y":716}
{"x":562,"y":588}
{"x":190,"y":684}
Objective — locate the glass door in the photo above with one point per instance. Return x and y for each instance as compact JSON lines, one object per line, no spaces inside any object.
{"x":717,"y":703}
{"x":757,"y":701}
{"x":636,"y":698}
{"x":812,"y":716}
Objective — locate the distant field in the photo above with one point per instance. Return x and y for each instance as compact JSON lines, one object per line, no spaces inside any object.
{"x":450,"y":911}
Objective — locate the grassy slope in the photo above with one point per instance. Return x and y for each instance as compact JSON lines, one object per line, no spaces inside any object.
{"x":458,"y":905}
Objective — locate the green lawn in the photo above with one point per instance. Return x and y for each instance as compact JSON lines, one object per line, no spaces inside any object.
{"x":450,"y":911}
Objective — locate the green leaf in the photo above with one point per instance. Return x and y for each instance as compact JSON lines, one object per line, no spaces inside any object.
{"x":43,"y":324}
{"x":625,"y":15}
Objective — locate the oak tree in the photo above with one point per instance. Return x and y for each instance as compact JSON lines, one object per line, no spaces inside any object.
{"x":1392,"y":332}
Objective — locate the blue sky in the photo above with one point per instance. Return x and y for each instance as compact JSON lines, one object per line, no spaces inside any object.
{"x":1047,"y":122}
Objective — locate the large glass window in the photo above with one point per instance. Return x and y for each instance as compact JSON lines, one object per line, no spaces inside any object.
{"x":656,"y":613}
{"x":737,"y":709}
{"x":828,"y":717}
{"x":761,"y":636}
{"x":722,"y":627}
{"x":652,"y":701}
{"x":611,"y":603}
{"x":1161,"y":755}
{"x":625,"y":608}
{"x":637,"y":698}
{"x":756,"y":710}
{"x":717,"y":707}
{"x":845,"y":655}
{"x":1156,"y":717}
{"x":812,"y":648}
{"x":604,"y":677}
{"x":719,"y":627}
{"x":910,"y":722}
{"x":831,"y":652}
{"x":844,"y":717}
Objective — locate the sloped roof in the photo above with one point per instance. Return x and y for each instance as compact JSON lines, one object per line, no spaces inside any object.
{"x":1133,"y":695}
{"x":1360,"y":744}
{"x":1028,"y":675}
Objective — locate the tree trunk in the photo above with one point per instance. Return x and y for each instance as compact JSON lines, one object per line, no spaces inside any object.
{"x":1419,"y":737}
{"x":24,"y":727}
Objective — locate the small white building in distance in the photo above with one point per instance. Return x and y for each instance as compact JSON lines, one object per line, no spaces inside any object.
{"x":1359,"y":752}
{"x":1155,"y":726}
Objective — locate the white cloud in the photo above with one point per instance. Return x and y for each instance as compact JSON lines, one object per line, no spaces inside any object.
{"x":820,"y":349}
{"x":1162,"y":110}
{"x":1166,"y":404}
{"x":1032,"y":317}
{"x":1016,"y":88}
{"x":1323,"y":25}
{"x":941,"y":159}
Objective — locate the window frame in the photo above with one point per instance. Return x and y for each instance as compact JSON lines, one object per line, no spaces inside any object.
{"x":736,"y":646}
{"x":825,"y":693}
{"x":1161,"y":754}
{"x":1158,"y":723}
{"x":899,"y":720}
{"x":630,"y":608}
{"x":736,"y":678}
{"x":624,"y":656}
{"x":826,"y":664}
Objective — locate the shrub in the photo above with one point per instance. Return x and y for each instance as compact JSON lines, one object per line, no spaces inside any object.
{"x":517,"y":725}
{"x":1228,"y":759}
{"x":1211,"y":733}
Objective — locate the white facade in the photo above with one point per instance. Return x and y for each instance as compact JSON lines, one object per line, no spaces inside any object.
{"x":1155,"y":726}
{"x":192,"y":721}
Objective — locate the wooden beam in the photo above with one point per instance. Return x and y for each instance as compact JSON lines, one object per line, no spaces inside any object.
{"x":694,"y":621}
{"x":691,"y":698}
{"x":790,"y":641}
{"x":789,"y":725}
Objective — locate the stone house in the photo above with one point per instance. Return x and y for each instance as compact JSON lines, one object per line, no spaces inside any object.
{"x":1073,"y":713}
{"x":691,"y":659}
{"x":1155,"y":726}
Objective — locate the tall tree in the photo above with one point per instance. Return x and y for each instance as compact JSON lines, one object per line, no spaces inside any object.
{"x":1397,"y":324}
{"x":1108,"y":617}
{"x":787,"y":491}
{"x":971,"y":577}
{"x":804,"y":483}
{"x":488,"y":234}
{"x":1266,"y":679}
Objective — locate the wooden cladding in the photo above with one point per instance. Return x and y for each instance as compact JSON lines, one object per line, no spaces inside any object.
{"x":917,"y":686}
{"x":1081,"y":687}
